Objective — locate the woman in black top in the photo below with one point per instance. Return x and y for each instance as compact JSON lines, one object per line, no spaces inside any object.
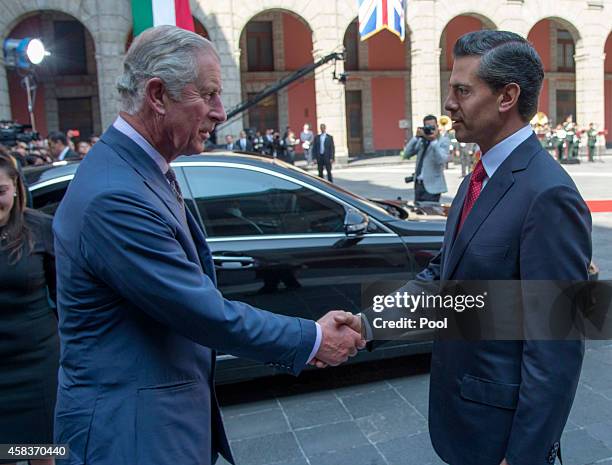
{"x":29,"y":345}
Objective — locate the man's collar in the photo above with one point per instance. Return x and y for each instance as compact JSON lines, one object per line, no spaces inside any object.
{"x":499,"y":152}
{"x":127,"y":129}
{"x":63,"y":153}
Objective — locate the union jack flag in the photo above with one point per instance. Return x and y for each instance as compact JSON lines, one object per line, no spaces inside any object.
{"x":376,"y":15}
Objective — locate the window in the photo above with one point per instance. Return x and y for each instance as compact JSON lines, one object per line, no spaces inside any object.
{"x":75,"y":113}
{"x":351,"y":47}
{"x":241,"y":202}
{"x":260,"y":52}
{"x":264,"y":115}
{"x":69,"y":48}
{"x":47,"y":199}
{"x":565,"y":51}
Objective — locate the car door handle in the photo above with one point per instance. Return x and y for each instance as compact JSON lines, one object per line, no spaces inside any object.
{"x":233,"y":262}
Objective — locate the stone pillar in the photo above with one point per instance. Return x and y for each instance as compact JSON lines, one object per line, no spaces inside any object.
{"x":425,"y":82}
{"x":5,"y":102}
{"x":425,"y":61}
{"x":590,"y":104}
{"x":109,"y":58}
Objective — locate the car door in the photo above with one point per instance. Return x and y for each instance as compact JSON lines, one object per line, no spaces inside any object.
{"x":279,"y":243}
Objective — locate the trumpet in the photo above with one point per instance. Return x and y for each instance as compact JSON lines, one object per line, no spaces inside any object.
{"x":445,"y":123}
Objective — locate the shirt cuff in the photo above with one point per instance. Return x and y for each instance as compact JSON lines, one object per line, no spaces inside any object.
{"x":317,"y":343}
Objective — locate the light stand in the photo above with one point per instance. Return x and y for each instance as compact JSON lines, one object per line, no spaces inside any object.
{"x":21,"y":55}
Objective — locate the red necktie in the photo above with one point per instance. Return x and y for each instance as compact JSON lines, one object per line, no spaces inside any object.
{"x":478,"y":176}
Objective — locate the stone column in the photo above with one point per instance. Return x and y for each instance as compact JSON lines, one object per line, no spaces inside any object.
{"x":425,"y":82}
{"x":109,"y":58}
{"x":5,"y":102}
{"x":425,"y":61}
{"x":590,"y":105}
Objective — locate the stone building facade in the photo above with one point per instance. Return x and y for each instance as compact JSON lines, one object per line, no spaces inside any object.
{"x":387,"y":80}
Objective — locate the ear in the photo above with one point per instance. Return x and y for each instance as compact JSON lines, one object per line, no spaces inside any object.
{"x":154,"y":94}
{"x":509,"y":96}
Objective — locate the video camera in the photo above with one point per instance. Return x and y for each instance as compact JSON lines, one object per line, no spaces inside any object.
{"x":12,"y":132}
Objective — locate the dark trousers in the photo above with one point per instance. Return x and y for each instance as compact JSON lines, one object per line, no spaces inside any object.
{"x":591,"y":153}
{"x":323,"y":161}
{"x":421,"y":194}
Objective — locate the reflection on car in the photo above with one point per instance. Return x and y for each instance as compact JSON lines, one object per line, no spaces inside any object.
{"x":284,"y":240}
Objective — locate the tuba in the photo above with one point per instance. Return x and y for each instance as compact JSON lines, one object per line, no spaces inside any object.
{"x":445,"y":123}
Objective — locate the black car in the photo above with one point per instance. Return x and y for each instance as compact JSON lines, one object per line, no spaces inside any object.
{"x":284,"y":240}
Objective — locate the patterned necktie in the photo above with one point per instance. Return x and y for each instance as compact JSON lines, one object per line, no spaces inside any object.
{"x":478,"y":176}
{"x":171,"y":177}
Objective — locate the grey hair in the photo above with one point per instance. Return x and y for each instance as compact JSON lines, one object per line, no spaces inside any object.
{"x":506,"y":58}
{"x":165,"y":52}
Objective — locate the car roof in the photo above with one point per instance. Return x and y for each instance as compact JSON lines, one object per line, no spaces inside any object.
{"x":42,"y":174}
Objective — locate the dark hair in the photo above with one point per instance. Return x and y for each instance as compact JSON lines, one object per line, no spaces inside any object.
{"x":428,"y":117}
{"x":17,"y":232}
{"x":56,"y":136}
{"x":506,"y":58}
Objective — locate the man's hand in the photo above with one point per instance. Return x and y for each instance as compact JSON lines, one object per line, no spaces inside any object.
{"x":340,"y":339}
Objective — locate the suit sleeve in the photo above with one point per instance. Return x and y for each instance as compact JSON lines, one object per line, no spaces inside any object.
{"x":128,"y":245}
{"x":441,"y":150}
{"x":412,"y":147}
{"x":555,"y":245}
{"x":333,"y":147}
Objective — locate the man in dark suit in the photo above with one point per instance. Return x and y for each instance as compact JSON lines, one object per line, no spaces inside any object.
{"x":140,"y":318}
{"x":517,"y":217}
{"x":243,"y":144}
{"x":59,"y":148}
{"x":323,"y":148}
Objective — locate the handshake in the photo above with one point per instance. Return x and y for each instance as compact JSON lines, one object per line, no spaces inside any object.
{"x":341,"y":338}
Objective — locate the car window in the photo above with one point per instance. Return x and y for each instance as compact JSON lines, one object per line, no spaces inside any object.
{"x":242,"y":202}
{"x":48,"y":198}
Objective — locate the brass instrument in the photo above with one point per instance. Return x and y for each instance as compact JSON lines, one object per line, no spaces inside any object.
{"x":445,"y":123}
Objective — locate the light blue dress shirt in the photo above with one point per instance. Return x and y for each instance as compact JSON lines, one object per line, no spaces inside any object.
{"x":498,"y":153}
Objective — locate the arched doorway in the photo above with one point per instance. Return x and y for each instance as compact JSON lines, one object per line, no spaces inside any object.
{"x":273,"y":44}
{"x":608,"y":89}
{"x":377,"y":91}
{"x":555,"y":41}
{"x":67,"y":83}
{"x":455,"y":28}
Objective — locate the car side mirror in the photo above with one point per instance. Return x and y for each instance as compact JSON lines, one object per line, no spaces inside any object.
{"x":355,"y":222}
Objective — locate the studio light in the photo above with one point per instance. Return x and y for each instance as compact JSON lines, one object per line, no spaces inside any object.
{"x":23,"y":53}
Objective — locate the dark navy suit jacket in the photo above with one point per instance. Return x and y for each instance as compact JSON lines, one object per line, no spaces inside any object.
{"x":140,"y":319}
{"x":496,"y":399}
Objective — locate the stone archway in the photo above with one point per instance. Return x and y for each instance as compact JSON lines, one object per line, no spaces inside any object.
{"x":67,"y":94}
{"x":454,"y":29}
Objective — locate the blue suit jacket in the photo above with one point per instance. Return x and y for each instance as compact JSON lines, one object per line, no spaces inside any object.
{"x":496,"y":399}
{"x":140,"y":319}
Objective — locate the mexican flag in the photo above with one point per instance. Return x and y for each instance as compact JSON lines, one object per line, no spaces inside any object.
{"x":149,"y":13}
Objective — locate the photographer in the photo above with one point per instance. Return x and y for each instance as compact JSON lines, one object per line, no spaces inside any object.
{"x":432,"y":151}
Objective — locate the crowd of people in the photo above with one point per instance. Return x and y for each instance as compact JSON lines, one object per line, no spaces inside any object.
{"x":272,"y":143}
{"x":57,"y":146}
{"x":564,"y":140}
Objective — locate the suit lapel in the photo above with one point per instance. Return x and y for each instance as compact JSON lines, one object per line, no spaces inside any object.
{"x":144,"y":165}
{"x":453,"y":218}
{"x":199,"y":239}
{"x":494,"y":191}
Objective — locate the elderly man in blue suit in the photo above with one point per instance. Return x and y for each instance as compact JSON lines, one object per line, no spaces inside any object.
{"x":140,"y":317}
{"x":517,"y":217}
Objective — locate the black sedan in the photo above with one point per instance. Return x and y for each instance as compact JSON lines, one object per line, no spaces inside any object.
{"x":284,"y":240}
